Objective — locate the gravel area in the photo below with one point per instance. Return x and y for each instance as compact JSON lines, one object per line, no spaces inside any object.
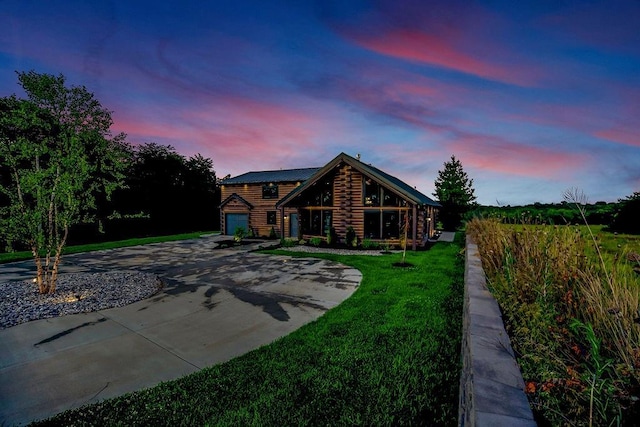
{"x":75,"y":293}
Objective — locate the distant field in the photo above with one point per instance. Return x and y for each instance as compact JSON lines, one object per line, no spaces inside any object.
{"x":20,"y":256}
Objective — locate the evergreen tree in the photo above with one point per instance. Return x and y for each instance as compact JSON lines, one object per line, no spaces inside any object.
{"x":454,"y":191}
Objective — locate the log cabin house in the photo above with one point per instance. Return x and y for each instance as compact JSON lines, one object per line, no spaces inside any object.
{"x":314,"y":202}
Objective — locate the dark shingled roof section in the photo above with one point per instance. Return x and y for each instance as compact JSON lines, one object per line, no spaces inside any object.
{"x":283,"y":175}
{"x":372,"y":171}
{"x":423,"y":199}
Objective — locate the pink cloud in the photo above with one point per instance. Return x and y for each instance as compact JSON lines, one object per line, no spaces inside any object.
{"x":620,"y":136}
{"x":247,"y":134}
{"x":431,"y":49}
{"x":498,"y":155}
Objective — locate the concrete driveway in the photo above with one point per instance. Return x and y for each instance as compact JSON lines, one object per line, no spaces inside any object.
{"x":217,"y":304}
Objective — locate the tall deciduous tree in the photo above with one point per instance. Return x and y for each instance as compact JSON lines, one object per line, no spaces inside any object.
{"x":454,"y":190}
{"x":174,"y":193}
{"x":58,"y":156}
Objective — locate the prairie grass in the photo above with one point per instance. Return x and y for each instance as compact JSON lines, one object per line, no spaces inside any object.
{"x":569,"y":297}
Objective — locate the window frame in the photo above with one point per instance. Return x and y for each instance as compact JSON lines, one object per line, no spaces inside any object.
{"x":272,"y":217}
{"x":270,"y":191}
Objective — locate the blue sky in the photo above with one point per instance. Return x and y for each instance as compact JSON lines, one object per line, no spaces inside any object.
{"x":533,"y":97}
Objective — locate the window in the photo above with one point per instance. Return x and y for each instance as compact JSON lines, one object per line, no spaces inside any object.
{"x":376,"y":195}
{"x":371,"y":192}
{"x":320,"y":194}
{"x":271,"y":217}
{"x":390,"y":225}
{"x":270,"y":191}
{"x":372,"y":225}
{"x":316,"y":222}
{"x":384,"y":224}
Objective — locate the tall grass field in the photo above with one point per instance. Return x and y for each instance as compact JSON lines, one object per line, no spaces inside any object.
{"x":570,"y":298}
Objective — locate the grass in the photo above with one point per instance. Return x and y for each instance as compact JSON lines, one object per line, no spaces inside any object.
{"x":570,"y":304}
{"x":24,"y":255}
{"x":388,"y":355}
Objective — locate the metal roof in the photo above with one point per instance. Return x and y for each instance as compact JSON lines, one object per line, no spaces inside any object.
{"x":417,"y":195}
{"x":283,"y":175}
{"x":383,"y":177}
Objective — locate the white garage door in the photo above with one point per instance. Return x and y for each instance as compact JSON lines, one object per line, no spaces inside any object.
{"x":234,"y":220}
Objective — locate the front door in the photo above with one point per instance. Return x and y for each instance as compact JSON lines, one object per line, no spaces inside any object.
{"x":293,"y":226}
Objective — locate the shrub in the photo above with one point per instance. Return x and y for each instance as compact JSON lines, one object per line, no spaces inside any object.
{"x":369,"y":244}
{"x":332,"y":237}
{"x":239,"y":234}
{"x":272,"y":233}
{"x":315,"y":241}
{"x":351,"y":239}
{"x":288,"y":243}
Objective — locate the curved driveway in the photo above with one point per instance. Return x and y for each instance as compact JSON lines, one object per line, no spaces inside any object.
{"x":217,"y":304}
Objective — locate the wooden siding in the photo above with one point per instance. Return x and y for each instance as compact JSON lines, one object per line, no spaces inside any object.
{"x":252,"y":193}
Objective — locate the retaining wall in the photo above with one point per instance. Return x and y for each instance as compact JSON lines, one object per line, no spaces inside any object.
{"x":491,"y":385}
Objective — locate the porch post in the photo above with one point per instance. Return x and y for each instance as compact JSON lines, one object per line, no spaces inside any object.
{"x":415,"y":226}
{"x":282,"y":221}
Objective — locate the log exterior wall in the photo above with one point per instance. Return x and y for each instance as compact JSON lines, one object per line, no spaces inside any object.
{"x":349,"y":208}
{"x":252,"y":193}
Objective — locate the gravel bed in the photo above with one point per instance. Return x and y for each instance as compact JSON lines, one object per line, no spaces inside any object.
{"x":20,"y":302}
{"x":314,"y":249}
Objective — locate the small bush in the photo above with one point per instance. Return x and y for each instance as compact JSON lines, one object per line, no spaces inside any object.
{"x":288,"y":243}
{"x":239,"y":234}
{"x":315,"y":241}
{"x":272,"y":233}
{"x":332,"y":237}
{"x":369,"y":244}
{"x":351,"y":239}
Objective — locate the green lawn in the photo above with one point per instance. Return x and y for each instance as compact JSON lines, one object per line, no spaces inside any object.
{"x":390,"y":354}
{"x":20,"y":256}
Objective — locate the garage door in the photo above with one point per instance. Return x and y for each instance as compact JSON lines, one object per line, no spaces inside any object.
{"x":236,"y":220}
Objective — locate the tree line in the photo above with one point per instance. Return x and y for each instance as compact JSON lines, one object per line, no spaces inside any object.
{"x":65,"y":178}
{"x":622,"y":216}
{"x":163,"y":192}
{"x":454,"y":190}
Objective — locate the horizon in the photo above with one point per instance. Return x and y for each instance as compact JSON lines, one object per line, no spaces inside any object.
{"x":533,"y":98}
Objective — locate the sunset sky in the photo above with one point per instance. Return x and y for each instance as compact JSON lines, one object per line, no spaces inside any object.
{"x":533,"y":97}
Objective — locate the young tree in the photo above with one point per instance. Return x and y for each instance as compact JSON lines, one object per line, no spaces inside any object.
{"x":57,"y":151}
{"x":454,"y":191}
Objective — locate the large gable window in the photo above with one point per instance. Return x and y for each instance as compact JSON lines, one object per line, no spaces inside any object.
{"x":270,"y":191}
{"x":320,"y":194}
{"x":375,"y":195}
